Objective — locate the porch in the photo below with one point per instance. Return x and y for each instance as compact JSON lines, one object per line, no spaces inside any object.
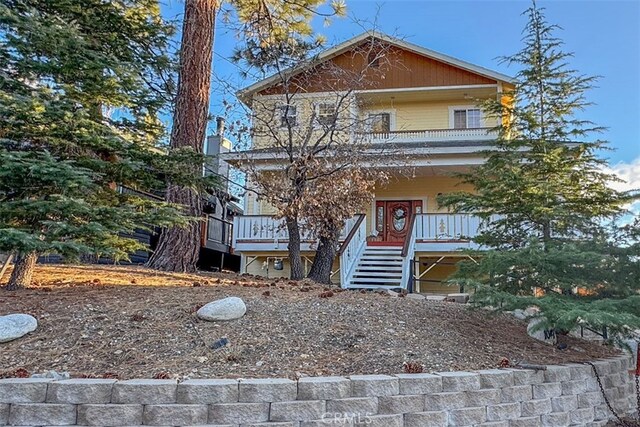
{"x":433,"y":232}
{"x":363,"y":261}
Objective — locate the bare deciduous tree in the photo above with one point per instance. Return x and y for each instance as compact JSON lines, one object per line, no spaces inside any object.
{"x":313,"y":158}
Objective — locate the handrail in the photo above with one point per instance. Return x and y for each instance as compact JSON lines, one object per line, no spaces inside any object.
{"x":352,"y":232}
{"x":408,"y":251}
{"x":408,"y":237}
{"x":426,"y":130}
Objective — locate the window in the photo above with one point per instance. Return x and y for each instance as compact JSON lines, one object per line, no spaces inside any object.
{"x":466,"y":118}
{"x":379,"y":122}
{"x":326,"y":113}
{"x":288,"y":115}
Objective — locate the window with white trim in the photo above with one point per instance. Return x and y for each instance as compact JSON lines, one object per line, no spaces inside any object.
{"x":326,"y":113}
{"x":288,"y":115}
{"x":467,"y":118}
{"x":379,"y":122}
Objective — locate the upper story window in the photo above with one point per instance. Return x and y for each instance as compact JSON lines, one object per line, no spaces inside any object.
{"x":379,"y":122}
{"x":466,"y":118}
{"x":288,"y":115}
{"x":326,"y":113}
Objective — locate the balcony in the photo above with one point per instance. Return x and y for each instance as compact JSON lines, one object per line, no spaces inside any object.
{"x":433,"y":135}
{"x":218,"y":234}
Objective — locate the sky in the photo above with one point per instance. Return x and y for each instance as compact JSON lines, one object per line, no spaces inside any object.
{"x":603,"y":35}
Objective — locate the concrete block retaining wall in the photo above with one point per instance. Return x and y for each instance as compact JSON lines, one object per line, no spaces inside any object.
{"x":559,"y":396}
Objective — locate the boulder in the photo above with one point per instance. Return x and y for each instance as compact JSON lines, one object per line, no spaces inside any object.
{"x":518,"y":313}
{"x":14,"y":326}
{"x":547,"y":336}
{"x":225,"y":309}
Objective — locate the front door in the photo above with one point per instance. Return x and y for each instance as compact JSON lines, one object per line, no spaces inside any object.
{"x":398,"y":220}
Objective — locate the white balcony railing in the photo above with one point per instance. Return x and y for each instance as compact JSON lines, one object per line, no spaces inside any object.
{"x":433,"y":135}
{"x":268,"y":233}
{"x":446,"y":227}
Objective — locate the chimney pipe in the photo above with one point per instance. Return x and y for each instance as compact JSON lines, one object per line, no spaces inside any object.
{"x":220,"y":126}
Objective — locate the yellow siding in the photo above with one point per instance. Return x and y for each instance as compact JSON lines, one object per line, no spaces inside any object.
{"x":266,"y":108}
{"x":438,"y":273}
{"x":259,"y":266}
{"x":421,"y":115}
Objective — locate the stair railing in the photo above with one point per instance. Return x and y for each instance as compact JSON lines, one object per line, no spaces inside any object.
{"x":408,"y":251}
{"x":351,"y":249}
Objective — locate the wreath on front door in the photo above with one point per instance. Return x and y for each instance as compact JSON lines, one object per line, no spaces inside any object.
{"x":399,"y":218}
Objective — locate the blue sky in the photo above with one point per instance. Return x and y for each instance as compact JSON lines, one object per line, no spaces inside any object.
{"x":604,"y":35}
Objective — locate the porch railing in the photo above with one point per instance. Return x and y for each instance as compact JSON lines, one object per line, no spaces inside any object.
{"x":219,"y":230}
{"x":352,"y":247}
{"x":265,"y":228}
{"x":433,"y":135}
{"x":446,"y":227}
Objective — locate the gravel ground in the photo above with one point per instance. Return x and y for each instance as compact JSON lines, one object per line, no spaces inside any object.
{"x":130,"y":322}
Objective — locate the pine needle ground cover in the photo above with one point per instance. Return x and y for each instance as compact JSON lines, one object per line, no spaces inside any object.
{"x":130,"y":322}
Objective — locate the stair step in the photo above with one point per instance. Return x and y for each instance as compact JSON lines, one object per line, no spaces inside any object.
{"x":376,"y":280}
{"x":366,"y":274}
{"x":379,"y":267}
{"x":376,"y":256}
{"x":383,"y":248}
{"x":380,"y":286}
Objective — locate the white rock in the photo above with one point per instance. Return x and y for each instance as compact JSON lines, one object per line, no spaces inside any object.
{"x":416,"y":296}
{"x":545,"y":335}
{"x":224,"y":309}
{"x":14,"y":326}
{"x":519,"y":314}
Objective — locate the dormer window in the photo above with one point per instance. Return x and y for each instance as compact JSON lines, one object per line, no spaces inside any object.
{"x":288,"y":115}
{"x":466,"y":118}
{"x":326,"y":113}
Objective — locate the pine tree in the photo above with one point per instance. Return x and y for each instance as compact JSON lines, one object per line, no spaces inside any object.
{"x":546,"y":200}
{"x":265,"y":22}
{"x":81,"y":88}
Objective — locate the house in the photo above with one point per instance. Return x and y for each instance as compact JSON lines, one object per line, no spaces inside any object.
{"x":220,"y":207}
{"x":428,"y":107}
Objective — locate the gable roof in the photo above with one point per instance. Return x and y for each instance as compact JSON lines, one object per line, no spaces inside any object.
{"x":346,"y":45}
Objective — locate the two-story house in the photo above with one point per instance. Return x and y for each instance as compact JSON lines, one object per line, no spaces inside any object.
{"x":428,"y":107}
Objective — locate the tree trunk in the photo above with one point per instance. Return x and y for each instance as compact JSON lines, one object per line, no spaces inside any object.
{"x":323,"y":262}
{"x":5,"y":265}
{"x":179,"y":247}
{"x":22,"y":271}
{"x":295,"y":259}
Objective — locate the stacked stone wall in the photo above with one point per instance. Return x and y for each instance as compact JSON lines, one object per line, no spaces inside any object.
{"x":561,"y":395}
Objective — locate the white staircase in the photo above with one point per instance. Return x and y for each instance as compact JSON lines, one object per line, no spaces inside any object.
{"x":378,"y":267}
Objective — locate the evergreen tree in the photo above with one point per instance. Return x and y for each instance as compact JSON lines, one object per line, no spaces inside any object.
{"x":264,"y":22}
{"x":81,"y":87}
{"x":546,"y":201}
